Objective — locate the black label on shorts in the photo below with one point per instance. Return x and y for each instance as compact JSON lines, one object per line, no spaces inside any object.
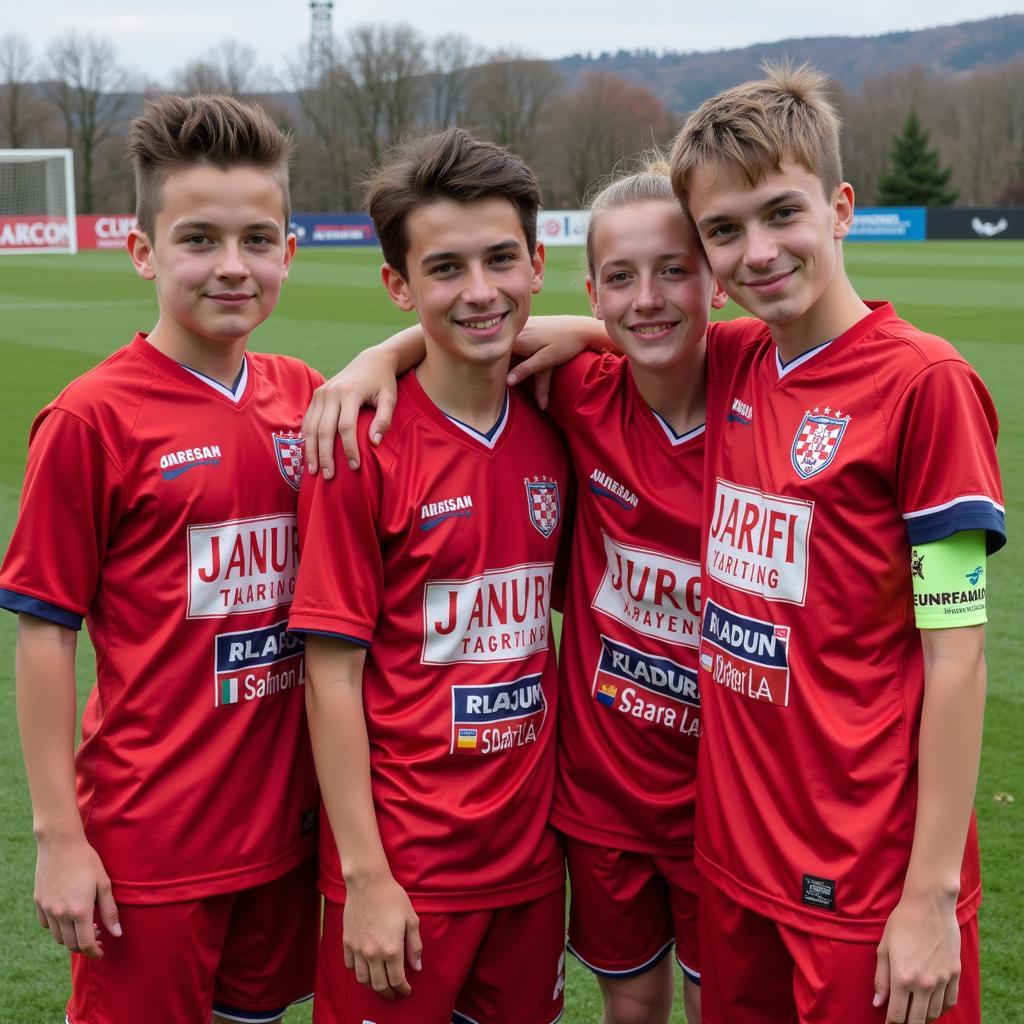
{"x":819,"y":892}
{"x":308,"y":820}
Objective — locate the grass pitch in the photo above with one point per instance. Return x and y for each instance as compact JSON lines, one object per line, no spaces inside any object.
{"x":60,"y":315}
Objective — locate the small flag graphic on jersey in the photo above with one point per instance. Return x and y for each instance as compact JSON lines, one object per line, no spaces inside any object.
{"x":706,"y":661}
{"x":542,"y":496}
{"x":290,"y":450}
{"x":467,"y":739}
{"x":228,"y":692}
{"x":606,"y":693}
{"x":817,"y":440}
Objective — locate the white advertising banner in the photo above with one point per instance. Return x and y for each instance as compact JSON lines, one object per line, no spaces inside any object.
{"x":563,"y":227}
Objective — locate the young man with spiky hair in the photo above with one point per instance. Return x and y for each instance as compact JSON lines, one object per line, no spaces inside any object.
{"x":425,"y":593}
{"x":852,"y":495}
{"x":160,"y":507}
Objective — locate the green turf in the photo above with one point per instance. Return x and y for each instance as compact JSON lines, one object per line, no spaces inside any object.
{"x":60,"y":315}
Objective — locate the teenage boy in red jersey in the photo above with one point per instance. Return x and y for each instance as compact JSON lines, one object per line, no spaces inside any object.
{"x":425,"y":595}
{"x":160,"y":506}
{"x":852,"y":495}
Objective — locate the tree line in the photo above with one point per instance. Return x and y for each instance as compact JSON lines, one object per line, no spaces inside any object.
{"x":359,"y":94}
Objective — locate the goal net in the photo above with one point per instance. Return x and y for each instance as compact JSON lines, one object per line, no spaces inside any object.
{"x":37,"y":201}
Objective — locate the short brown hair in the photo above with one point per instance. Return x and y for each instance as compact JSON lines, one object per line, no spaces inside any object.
{"x":186,"y":131}
{"x":448,"y":165}
{"x":757,"y":125}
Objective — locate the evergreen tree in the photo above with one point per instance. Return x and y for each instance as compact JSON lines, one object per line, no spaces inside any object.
{"x":914,"y":176}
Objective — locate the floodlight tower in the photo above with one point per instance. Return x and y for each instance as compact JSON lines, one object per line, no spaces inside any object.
{"x":321,"y":35}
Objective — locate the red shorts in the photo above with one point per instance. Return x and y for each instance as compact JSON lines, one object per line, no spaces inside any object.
{"x":247,"y":954}
{"x":479,"y":967}
{"x":627,"y":908}
{"x":761,"y":972}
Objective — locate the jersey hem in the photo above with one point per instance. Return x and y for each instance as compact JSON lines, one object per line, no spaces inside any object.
{"x":434,"y":903}
{"x":843,"y":928}
{"x":147,"y":893}
{"x":681,"y":846}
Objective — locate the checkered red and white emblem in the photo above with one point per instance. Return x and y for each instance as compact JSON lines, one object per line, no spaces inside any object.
{"x":817,"y":440}
{"x":291,"y":456}
{"x":542,"y":498}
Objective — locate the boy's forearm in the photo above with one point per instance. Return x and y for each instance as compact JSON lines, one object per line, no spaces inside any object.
{"x":407,"y":348}
{"x":47,"y":712}
{"x":341,"y":750}
{"x":950,"y":746}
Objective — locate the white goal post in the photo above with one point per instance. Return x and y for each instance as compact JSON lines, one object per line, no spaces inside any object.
{"x":37,"y":201}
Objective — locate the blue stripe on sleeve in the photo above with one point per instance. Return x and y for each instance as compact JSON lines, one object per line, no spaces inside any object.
{"x":333,"y":636}
{"x":15,"y":602}
{"x":966,"y":515}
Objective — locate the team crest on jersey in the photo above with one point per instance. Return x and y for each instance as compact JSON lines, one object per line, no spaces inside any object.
{"x":290,"y":450}
{"x":817,"y":440}
{"x":543,"y":504}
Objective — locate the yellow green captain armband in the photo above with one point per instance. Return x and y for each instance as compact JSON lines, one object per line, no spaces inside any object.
{"x":948,"y":576}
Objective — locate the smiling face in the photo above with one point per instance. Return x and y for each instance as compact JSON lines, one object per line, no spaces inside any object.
{"x":651,"y":284}
{"x":470,"y":278}
{"x":219,"y":254}
{"x":775,"y":246}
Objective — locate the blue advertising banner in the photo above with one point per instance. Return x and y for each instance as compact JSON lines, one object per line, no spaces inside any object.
{"x":333,"y":229}
{"x":888,"y":224}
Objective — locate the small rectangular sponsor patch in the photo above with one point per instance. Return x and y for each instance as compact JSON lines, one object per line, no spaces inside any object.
{"x":253,"y":663}
{"x":746,"y":655}
{"x":494,"y":717}
{"x":819,"y":892}
{"x":308,"y":820}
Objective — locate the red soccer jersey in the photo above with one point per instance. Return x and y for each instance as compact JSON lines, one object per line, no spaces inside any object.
{"x":164,"y":513}
{"x":821,"y":474}
{"x":438,"y":556}
{"x":630,"y":717}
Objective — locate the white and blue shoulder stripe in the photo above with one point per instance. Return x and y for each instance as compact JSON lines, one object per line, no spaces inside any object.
{"x":967,"y":512}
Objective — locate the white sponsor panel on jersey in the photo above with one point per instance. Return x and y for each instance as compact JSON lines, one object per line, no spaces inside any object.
{"x":241,"y":565}
{"x":651,"y":592}
{"x":758,"y":542}
{"x":500,"y":615}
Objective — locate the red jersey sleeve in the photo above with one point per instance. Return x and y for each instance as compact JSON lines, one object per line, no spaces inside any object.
{"x":947,"y":474}
{"x":573,"y":382}
{"x":341,"y":569}
{"x":71,"y":500}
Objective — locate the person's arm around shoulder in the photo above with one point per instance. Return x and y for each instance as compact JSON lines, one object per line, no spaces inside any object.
{"x":370,"y":379}
{"x":70,"y":878}
{"x":381,"y":927}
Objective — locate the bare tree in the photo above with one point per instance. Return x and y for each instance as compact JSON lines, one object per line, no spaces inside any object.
{"x":513,"y":95}
{"x":602,"y":121}
{"x":15,"y":100}
{"x":452,"y":57}
{"x":324,"y":178}
{"x":381,"y":69}
{"x":230,"y":67}
{"x":88,"y":92}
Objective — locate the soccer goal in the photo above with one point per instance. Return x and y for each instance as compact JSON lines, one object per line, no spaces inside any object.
{"x":37,"y":201}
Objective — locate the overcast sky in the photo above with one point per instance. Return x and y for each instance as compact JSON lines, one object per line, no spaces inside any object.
{"x":157,"y":37}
